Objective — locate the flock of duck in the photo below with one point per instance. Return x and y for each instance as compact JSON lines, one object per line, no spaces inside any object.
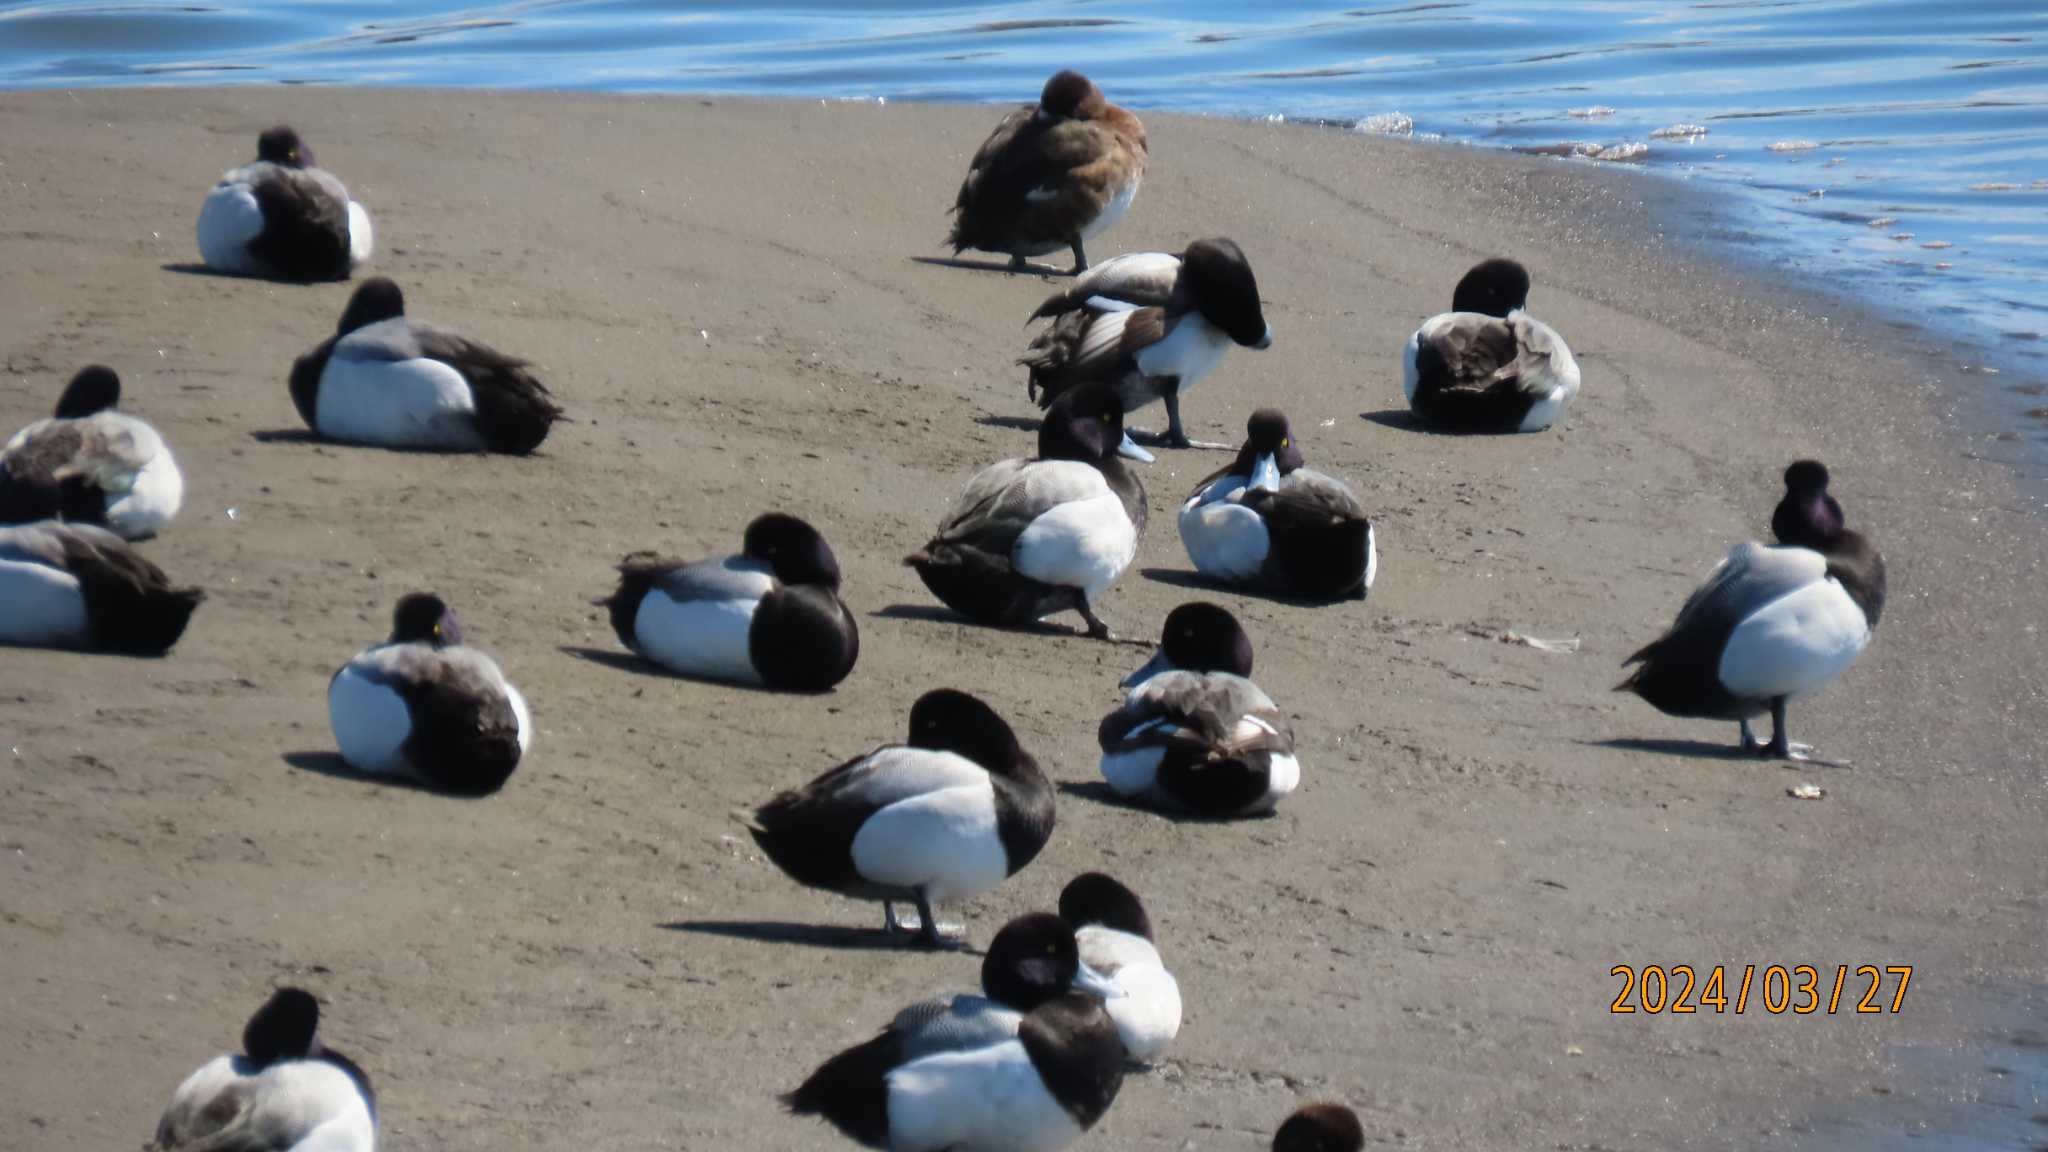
{"x":1068,"y":999}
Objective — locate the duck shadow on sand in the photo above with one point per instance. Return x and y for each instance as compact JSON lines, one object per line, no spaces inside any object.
{"x":839,"y":937}
{"x":1013,"y":423}
{"x":331,"y":765}
{"x":939,"y":614}
{"x":640,"y":665}
{"x":285,"y":436}
{"x":1029,"y":269}
{"x":1100,"y":792}
{"x":1196,"y":582}
{"x":1709,"y":750}
{"x":194,"y":268}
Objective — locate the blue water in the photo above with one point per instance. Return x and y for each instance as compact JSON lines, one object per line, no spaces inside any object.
{"x":1898,"y":145}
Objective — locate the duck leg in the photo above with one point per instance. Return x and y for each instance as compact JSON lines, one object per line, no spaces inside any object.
{"x":1175,"y":435}
{"x":1096,"y":628}
{"x":931,"y":933}
{"x":1781,"y":746}
{"x":1080,"y":257}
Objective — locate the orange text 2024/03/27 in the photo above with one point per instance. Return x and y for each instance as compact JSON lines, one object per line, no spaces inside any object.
{"x":1773,"y":989}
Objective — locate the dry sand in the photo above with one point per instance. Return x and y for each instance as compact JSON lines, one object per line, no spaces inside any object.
{"x":723,"y":296}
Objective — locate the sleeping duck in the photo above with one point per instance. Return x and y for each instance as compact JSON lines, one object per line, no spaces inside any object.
{"x":1027,"y":1068}
{"x":1194,"y":734}
{"x":281,"y":217}
{"x":91,"y":464}
{"x":1321,"y":1128}
{"x":1770,"y":623}
{"x":284,"y":1092}
{"x":1032,"y":537}
{"x":423,"y":707}
{"x":1151,"y":325}
{"x":1115,"y":938}
{"x":1051,"y":175}
{"x":389,"y":380}
{"x":1267,"y":521}
{"x":80,"y":586}
{"x":1486,"y":365}
{"x":947,"y":815}
{"x":770,"y":615}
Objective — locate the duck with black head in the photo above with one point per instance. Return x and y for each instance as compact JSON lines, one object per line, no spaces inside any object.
{"x":770,"y":615}
{"x":1487,"y":365}
{"x":1771,"y":622}
{"x":1267,"y":520}
{"x":1114,"y":935}
{"x":284,"y":1092}
{"x":947,"y":815}
{"x":426,"y":708}
{"x":1323,"y":1127}
{"x":80,"y":586}
{"x":91,"y":464}
{"x":1052,"y":175}
{"x":1027,"y":1067}
{"x":1033,"y":537}
{"x":1194,"y":734}
{"x":386,"y":379}
{"x":1151,"y":325}
{"x":283,"y":217}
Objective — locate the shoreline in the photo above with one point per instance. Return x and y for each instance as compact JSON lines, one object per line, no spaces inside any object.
{"x":724,"y":295}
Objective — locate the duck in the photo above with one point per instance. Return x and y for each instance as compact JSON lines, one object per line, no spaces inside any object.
{"x":79,"y":586}
{"x":1151,"y":325}
{"x":947,"y":815}
{"x":284,"y":1091}
{"x":1194,"y":735}
{"x":1771,"y":622}
{"x":388,"y":380}
{"x":1266,"y":520}
{"x":1487,"y":365}
{"x":1052,"y":175}
{"x":283,"y":217}
{"x":768,"y":616}
{"x":1031,"y":537}
{"x":1114,"y":936}
{"x":1028,"y":1067}
{"x":1325,"y":1127}
{"x":425,"y":708}
{"x":92,"y":464}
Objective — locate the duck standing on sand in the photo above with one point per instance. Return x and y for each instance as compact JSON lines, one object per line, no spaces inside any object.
{"x":424,"y":707}
{"x":282,"y":217}
{"x":90,"y":464}
{"x":1151,"y":325}
{"x":1115,"y":938}
{"x":1267,"y":520}
{"x":947,"y":815}
{"x":1487,"y":365}
{"x":1032,"y":537}
{"x":1770,"y":623}
{"x":80,"y":586}
{"x":1051,"y":175}
{"x":284,"y":1092}
{"x":386,"y":379}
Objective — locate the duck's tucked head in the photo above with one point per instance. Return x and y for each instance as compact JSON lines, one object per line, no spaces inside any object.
{"x":1093,"y":898}
{"x":283,"y":1029}
{"x":378,"y":298}
{"x":1198,"y":637}
{"x":94,"y":389}
{"x":1069,"y":95}
{"x":1320,"y":1128}
{"x":1085,"y":423}
{"x":1035,"y":959}
{"x":1220,"y":283}
{"x":794,"y":549}
{"x":281,"y":145}
{"x":1492,"y":288}
{"x":947,"y":720}
{"x":1807,"y":516}
{"x":423,"y":617}
{"x":1270,"y":450}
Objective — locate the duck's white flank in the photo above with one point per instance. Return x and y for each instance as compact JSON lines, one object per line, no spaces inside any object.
{"x":1084,"y":543}
{"x":362,"y":239}
{"x":700,"y":637}
{"x":153,"y":495}
{"x":988,"y":1099}
{"x":1224,"y":538}
{"x":228,"y":220}
{"x":417,"y":403}
{"x":1190,"y":351}
{"x":944,"y":841}
{"x":371,"y":722}
{"x":1147,"y":1015}
{"x":1113,"y":211}
{"x":1795,"y":644}
{"x":296,"y":1106}
{"x":40,"y":605}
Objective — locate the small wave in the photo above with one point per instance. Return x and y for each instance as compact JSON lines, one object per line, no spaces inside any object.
{"x":1791,"y":146}
{"x":1596,"y":112}
{"x":1680,"y":132}
{"x":1386,"y":124}
{"x":1883,"y":221}
{"x":1994,"y":186}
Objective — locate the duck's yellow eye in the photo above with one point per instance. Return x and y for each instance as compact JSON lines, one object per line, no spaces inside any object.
{"x":437,"y":629}
{"x":1105,"y":417}
{"x":1284,"y":441}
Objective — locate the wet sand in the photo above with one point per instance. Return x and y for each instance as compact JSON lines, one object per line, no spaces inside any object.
{"x":725,"y":298}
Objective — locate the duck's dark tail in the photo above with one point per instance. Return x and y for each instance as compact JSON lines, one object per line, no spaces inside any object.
{"x":851,"y":1090}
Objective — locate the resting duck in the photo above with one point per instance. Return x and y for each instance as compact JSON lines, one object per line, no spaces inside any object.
{"x":388,"y":380}
{"x":1267,"y":521}
{"x":1028,"y":1068}
{"x":1770,"y":623}
{"x":1150,"y":325}
{"x":1195,"y":734}
{"x":1321,"y":1128}
{"x":284,"y":1092}
{"x":770,"y":615}
{"x":1051,"y":175}
{"x":1115,"y":938}
{"x":1032,"y":537}
{"x":423,"y":707}
{"x":1486,"y":365}
{"x":91,"y":464}
{"x":80,"y":586}
{"x":282,"y":217}
{"x":947,"y":815}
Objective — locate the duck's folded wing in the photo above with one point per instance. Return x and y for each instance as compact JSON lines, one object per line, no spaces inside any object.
{"x":1190,"y":707}
{"x":1470,"y":352}
{"x":890,"y":774}
{"x":1088,"y":344}
{"x":990,"y":154}
{"x":1003,"y":500}
{"x":713,"y":580}
{"x":33,"y":468}
{"x":496,"y":378}
{"x":953,"y":1024}
{"x":1133,"y":280}
{"x":1752,"y":576}
{"x":1309,"y":497}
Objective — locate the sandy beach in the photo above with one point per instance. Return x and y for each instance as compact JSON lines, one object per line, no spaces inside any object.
{"x":724,"y":297}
